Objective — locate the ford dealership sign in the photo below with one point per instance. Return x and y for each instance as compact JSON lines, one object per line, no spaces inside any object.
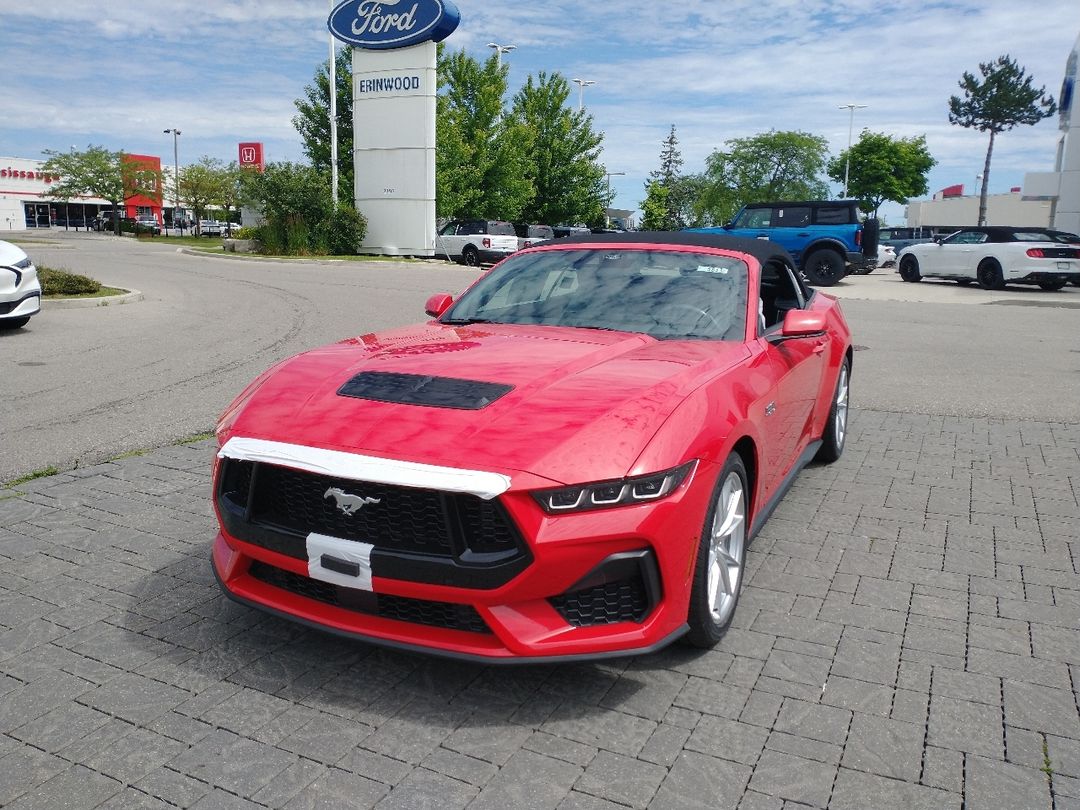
{"x":386,"y":24}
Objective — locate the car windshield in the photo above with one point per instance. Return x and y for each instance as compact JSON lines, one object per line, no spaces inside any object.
{"x":670,"y":295}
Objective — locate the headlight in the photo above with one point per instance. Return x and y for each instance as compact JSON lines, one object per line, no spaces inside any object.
{"x":24,"y":264}
{"x":606,"y":494}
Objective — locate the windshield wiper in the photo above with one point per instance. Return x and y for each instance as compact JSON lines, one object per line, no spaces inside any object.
{"x":467,"y":321}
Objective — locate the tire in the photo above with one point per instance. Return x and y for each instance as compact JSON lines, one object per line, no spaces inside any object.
{"x":964,"y":282}
{"x":722,"y":549}
{"x":470,"y":256}
{"x":14,"y":323}
{"x":824,"y":268}
{"x":835,"y":435}
{"x":1053,"y":285}
{"x":990,"y":277}
{"x":909,"y":269}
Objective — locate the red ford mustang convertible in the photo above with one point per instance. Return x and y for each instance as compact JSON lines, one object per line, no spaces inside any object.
{"x":567,"y":462}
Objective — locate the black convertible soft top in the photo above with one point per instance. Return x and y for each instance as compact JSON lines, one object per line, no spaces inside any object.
{"x":761,"y":249}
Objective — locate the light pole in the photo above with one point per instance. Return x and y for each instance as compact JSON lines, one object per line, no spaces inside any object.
{"x":850,"y":132}
{"x":608,"y":176}
{"x":582,"y":84}
{"x":333,"y":119}
{"x":500,"y":50}
{"x":176,"y":175}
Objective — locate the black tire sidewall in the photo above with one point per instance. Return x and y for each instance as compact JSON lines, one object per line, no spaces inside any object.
{"x":909,"y":269}
{"x":470,"y":253}
{"x":829,"y":258}
{"x":705,"y":631}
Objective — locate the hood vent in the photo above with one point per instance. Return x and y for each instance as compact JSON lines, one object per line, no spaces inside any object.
{"x":419,"y":389}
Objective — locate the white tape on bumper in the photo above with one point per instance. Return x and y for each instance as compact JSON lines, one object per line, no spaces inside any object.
{"x":486,"y":485}
{"x":347,"y":551}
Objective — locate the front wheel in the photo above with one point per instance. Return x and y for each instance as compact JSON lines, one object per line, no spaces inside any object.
{"x":1053,"y":285}
{"x":721,"y":557}
{"x":990,"y":277}
{"x":14,"y":323}
{"x":909,"y":269}
{"x":823,"y":268}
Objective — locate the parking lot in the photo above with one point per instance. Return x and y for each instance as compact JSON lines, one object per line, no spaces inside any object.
{"x":907,"y":638}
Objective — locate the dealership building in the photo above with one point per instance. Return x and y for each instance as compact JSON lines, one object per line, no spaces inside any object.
{"x":25,"y":203}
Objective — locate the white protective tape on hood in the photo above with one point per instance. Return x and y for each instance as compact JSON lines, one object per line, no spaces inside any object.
{"x":486,"y":485}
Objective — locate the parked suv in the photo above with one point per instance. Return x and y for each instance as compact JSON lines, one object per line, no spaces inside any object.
{"x":825,"y":237}
{"x":476,"y":241}
{"x":529,"y":235}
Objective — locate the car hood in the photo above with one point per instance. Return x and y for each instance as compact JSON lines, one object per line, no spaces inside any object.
{"x":583,"y":404}
{"x":10,"y":254}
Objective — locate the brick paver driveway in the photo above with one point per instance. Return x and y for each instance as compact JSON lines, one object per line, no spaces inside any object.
{"x":907,"y":639}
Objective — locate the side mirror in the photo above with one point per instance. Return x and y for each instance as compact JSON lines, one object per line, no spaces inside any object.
{"x":802,"y":323}
{"x":938,"y":240}
{"x":438,"y":304}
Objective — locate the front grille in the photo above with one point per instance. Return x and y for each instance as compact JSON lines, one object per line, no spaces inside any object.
{"x":404,"y":519}
{"x":624,"y":601}
{"x":400,"y":608}
{"x":418,"y":535}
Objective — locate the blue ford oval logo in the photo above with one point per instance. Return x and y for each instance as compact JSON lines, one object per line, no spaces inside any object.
{"x":386,"y":24}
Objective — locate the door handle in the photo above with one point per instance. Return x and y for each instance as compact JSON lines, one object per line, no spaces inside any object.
{"x":802,"y":235}
{"x":819,"y":348}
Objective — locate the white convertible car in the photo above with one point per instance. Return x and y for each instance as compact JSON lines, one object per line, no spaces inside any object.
{"x":994,"y":256}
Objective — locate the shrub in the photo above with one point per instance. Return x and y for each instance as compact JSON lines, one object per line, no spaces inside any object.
{"x":341,"y":233}
{"x":61,"y":282}
{"x":245,"y":233}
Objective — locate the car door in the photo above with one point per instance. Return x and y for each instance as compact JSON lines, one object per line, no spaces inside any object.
{"x":790,"y":227}
{"x":450,"y":239}
{"x":797,"y":364}
{"x":960,"y":254}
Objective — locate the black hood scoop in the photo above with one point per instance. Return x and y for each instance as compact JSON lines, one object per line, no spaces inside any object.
{"x":419,"y":389}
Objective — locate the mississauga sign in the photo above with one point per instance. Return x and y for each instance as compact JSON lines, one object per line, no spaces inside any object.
{"x":389,"y":24}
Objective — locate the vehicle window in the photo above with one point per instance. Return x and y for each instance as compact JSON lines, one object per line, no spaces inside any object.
{"x":779,"y":294}
{"x":469,"y":228}
{"x":967,"y":238}
{"x":791,"y":217}
{"x":449,"y":229}
{"x":541,"y":232}
{"x":753,"y":218}
{"x":1032,"y":236}
{"x":666,"y":294}
{"x":501,"y":229}
{"x":833,"y":215}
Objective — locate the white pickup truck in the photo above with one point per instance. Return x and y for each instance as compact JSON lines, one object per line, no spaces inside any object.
{"x":476,"y":241}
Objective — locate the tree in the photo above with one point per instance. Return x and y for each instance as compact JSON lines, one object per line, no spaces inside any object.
{"x":884,"y":168}
{"x":480,"y":165}
{"x":654,"y":209}
{"x":562,"y":154}
{"x":1004,"y":99}
{"x":770,"y":166}
{"x":294,"y":200}
{"x":97,"y":172}
{"x":312,"y":121}
{"x":232,"y":188}
{"x":669,"y":177}
{"x":201,"y":184}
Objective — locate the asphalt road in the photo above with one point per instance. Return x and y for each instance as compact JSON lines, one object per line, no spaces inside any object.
{"x":83,"y":385}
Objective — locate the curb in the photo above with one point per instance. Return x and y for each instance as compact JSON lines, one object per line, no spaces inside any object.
{"x":82,"y":303}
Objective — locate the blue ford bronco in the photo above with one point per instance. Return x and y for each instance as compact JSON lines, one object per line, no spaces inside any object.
{"x":825,"y":237}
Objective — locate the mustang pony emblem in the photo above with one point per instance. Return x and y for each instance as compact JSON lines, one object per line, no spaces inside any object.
{"x":348,"y":503}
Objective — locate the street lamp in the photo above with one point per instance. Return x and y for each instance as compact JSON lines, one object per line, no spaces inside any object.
{"x":176,"y":175}
{"x":333,"y":118}
{"x":500,"y":50}
{"x":582,"y":84}
{"x":851,"y":130}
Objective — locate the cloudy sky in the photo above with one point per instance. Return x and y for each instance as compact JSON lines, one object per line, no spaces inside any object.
{"x":118,"y":72}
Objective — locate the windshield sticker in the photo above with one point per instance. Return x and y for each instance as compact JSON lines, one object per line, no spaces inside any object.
{"x":706,"y":269}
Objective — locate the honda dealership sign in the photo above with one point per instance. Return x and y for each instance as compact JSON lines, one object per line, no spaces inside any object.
{"x":394,"y":87}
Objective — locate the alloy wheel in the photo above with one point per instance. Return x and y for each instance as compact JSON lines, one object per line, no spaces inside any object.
{"x":841,"y":409}
{"x":726,"y":544}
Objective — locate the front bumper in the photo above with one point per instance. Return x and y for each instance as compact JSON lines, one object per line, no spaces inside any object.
{"x":595,"y":584}
{"x":28,"y":304}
